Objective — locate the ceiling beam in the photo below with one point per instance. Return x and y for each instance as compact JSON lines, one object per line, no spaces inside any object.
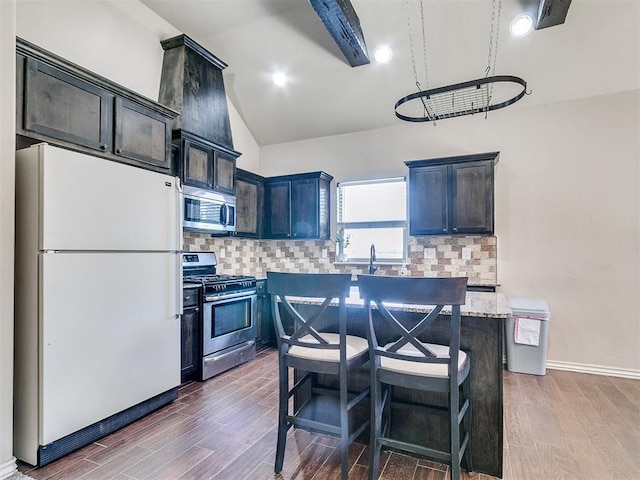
{"x":551,"y":13}
{"x":342,"y":22}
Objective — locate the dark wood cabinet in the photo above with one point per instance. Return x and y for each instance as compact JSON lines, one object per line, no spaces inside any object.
{"x":266,"y":330}
{"x":66,"y":105}
{"x":142,"y":134}
{"x":190,"y":327}
{"x":205,"y":165}
{"x":249,"y":204}
{"x":59,"y":105}
{"x":278,"y":211}
{"x":197,"y":164}
{"x":224,"y":172}
{"x":452,"y":195}
{"x":429,"y":200}
{"x":472,"y":207}
{"x":298,"y":206}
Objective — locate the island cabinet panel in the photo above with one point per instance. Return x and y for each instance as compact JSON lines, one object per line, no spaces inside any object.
{"x":452,"y":195}
{"x":481,"y":338}
{"x":249,"y":204}
{"x":66,"y":105}
{"x":298,"y":206}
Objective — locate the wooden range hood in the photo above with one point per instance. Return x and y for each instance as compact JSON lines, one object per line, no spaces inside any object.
{"x":192,"y":84}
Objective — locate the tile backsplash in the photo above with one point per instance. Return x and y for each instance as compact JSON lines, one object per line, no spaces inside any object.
{"x":256,"y":257}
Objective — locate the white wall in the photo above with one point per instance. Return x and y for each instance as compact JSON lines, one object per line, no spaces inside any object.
{"x":118,"y":39}
{"x":7,"y":188}
{"x":567,"y":208}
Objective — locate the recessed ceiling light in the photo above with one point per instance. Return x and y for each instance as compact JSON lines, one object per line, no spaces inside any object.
{"x":280,"y":79}
{"x":521,"y":25}
{"x":383,"y":54}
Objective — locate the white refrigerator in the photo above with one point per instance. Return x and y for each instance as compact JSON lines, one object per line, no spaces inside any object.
{"x":98,"y":298}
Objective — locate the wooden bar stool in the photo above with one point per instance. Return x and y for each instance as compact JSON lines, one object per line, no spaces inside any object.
{"x":408,"y":362}
{"x":304,"y":346}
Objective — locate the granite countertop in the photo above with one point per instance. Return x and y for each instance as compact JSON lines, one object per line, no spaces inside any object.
{"x":354,"y":280}
{"x":477,"y":304}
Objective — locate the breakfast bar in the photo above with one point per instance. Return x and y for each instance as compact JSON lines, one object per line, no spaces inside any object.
{"x":482,"y":330}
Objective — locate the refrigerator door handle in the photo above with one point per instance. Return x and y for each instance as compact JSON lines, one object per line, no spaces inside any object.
{"x":180,"y":296}
{"x":179,"y":244}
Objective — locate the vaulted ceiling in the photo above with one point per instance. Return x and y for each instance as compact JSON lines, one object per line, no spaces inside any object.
{"x":596,"y":51}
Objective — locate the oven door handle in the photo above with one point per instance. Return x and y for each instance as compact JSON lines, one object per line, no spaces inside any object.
{"x":231,"y":296}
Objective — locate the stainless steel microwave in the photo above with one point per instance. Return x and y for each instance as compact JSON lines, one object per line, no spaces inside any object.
{"x":207,"y":211}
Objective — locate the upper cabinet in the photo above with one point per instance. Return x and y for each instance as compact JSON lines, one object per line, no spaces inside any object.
{"x":249,"y":204}
{"x":205,"y":165}
{"x":298,"y":206}
{"x":452,"y":195}
{"x":64,"y":104}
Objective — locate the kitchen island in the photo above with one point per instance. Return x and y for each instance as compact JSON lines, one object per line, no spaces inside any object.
{"x":482,"y":330}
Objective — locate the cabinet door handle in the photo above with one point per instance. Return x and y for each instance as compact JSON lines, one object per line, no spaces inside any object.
{"x":444,"y":230}
{"x":455,"y":229}
{"x":120,"y":150}
{"x":104,"y":146}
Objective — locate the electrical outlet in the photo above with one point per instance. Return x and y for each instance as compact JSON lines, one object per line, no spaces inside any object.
{"x":466,"y":253}
{"x":429,"y":253}
{"x":278,"y":253}
{"x":324,"y":253}
{"x":222,"y":252}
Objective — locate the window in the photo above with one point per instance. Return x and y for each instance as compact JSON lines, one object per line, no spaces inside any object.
{"x":374,"y":213}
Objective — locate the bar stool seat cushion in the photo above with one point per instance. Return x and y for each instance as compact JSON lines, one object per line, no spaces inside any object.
{"x":354,"y":346}
{"x":419,"y":368}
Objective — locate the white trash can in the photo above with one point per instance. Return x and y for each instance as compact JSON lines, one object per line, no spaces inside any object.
{"x":526,"y":336}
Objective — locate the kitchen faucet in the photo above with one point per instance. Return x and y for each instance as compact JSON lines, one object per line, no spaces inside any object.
{"x":372,"y":258}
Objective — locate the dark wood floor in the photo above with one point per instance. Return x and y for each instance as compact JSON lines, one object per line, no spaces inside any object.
{"x":559,"y":426}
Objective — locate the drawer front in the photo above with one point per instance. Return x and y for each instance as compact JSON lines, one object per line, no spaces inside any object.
{"x":261,"y":287}
{"x":190,"y":297}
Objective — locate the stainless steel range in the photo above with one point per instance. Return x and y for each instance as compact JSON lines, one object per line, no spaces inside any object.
{"x":228,"y":314}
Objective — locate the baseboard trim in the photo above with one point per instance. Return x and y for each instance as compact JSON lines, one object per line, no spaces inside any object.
{"x":8,"y":468}
{"x":588,"y":368}
{"x":594,"y":369}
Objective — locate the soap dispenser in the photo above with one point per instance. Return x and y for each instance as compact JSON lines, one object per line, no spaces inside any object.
{"x":403,"y":270}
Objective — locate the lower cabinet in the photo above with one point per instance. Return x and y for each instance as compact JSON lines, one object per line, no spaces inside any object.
{"x":190,"y":335}
{"x":264,"y":321}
